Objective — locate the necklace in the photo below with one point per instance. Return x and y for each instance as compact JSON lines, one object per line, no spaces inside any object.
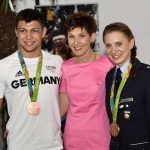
{"x":91,"y":59}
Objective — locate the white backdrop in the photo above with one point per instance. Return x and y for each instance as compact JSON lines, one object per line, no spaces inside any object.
{"x":132,"y":12}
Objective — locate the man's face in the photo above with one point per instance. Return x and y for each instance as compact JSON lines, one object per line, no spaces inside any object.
{"x":30,"y":36}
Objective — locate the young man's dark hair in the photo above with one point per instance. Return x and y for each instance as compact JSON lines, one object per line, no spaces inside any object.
{"x":29,"y":15}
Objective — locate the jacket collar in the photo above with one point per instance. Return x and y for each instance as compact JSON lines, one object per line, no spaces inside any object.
{"x":131,"y":79}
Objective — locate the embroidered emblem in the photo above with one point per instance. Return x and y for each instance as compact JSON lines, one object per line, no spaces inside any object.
{"x":51,"y":68}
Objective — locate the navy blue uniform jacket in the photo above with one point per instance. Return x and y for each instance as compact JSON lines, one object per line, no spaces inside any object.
{"x":135,"y":103}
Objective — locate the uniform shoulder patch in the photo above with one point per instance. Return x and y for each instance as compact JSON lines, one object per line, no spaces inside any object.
{"x":145,"y":67}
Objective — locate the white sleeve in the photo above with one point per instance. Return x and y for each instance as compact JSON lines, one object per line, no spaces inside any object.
{"x":2,"y":80}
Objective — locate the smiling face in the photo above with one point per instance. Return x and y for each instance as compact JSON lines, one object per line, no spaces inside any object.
{"x":30,"y":37}
{"x":118,"y":47}
{"x":79,"y":41}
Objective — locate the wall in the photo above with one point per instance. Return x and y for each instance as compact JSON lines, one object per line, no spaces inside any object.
{"x":132,"y":12}
{"x":136,"y":15}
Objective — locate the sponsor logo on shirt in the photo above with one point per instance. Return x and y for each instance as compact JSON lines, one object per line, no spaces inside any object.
{"x":19,"y":73}
{"x":43,"y":80}
{"x":51,"y":68}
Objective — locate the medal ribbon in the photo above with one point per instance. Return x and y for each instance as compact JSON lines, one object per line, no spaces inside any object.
{"x":114,"y":105}
{"x":33,"y":95}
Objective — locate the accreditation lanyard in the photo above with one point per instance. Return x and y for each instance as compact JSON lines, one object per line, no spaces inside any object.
{"x":33,"y":94}
{"x":114,"y":104}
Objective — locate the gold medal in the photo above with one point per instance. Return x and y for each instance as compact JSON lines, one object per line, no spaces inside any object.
{"x":33,"y":108}
{"x":114,"y":129}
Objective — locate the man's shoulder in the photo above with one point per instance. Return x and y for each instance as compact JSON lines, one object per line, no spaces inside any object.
{"x":8,"y":60}
{"x":50,"y":57}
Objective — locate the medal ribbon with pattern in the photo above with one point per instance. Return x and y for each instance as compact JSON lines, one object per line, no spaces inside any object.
{"x":33,"y":94}
{"x":114,"y":105}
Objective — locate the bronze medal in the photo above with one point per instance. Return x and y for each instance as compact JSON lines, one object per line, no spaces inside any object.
{"x":33,"y":108}
{"x":114,"y":129}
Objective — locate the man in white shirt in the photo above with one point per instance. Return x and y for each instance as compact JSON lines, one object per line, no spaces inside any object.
{"x":29,"y":81}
